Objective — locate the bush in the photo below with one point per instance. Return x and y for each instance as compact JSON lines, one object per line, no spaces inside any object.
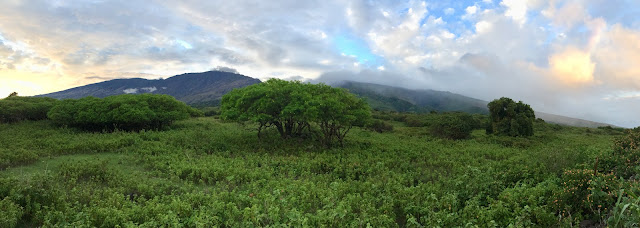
{"x":124,"y":112}
{"x":379,"y":126}
{"x":506,"y":117}
{"x":453,"y":126}
{"x":586,"y":192}
{"x":14,"y":109}
{"x":10,"y":213}
{"x":415,"y":121}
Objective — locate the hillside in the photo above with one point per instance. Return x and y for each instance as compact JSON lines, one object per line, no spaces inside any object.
{"x":575,"y":122}
{"x":191,"y":88}
{"x":400,"y":99}
{"x":389,"y":98}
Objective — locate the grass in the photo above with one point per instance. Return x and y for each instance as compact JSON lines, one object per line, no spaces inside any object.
{"x":204,"y":172}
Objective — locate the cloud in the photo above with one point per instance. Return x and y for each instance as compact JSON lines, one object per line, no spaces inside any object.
{"x":572,"y":66}
{"x":569,"y":54}
{"x":226,"y":69}
{"x":618,"y":55}
{"x":516,"y":10}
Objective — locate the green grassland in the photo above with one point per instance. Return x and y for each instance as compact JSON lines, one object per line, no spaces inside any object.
{"x":204,"y":172}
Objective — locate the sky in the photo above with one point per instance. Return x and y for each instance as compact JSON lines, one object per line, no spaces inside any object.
{"x":579,"y":58}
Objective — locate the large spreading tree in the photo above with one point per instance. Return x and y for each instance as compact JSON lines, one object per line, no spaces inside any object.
{"x":506,"y":117}
{"x":292,"y":107}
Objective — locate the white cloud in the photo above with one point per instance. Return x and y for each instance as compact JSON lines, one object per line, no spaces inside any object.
{"x":483,"y":26}
{"x":516,"y":9}
{"x":471,"y":10}
{"x":130,"y":91}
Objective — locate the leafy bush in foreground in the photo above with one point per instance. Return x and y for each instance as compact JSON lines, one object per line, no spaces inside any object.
{"x":10,"y":213}
{"x":125,"y":112}
{"x":14,"y":108}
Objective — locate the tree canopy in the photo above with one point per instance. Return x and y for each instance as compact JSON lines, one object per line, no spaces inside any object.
{"x":506,"y":117}
{"x":292,"y":107}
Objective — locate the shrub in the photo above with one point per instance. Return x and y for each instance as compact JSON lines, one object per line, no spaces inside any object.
{"x":124,"y":112}
{"x":14,"y":108}
{"x":10,"y":213}
{"x":415,"y":121}
{"x":587,"y":192}
{"x":453,"y":126}
{"x":506,"y":117}
{"x":379,"y":126}
{"x":624,"y":158}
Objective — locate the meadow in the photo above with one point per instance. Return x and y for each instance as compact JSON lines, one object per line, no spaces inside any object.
{"x":205,"y":172}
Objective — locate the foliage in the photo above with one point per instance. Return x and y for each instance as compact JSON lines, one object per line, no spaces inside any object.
{"x":510,"y":118}
{"x":204,"y":172}
{"x":625,"y":157}
{"x":14,"y":108}
{"x":10,"y":213}
{"x":453,"y":126}
{"x":586,"y":192}
{"x":379,"y":126}
{"x":626,"y":213}
{"x":291,"y":108}
{"x":123,"y":112}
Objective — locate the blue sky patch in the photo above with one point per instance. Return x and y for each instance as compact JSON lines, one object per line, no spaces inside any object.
{"x":356,"y":47}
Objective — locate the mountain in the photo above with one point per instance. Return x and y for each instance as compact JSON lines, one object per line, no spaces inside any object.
{"x":191,"y":88}
{"x":389,"y":98}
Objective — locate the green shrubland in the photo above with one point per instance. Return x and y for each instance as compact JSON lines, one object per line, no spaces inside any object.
{"x":206,"y":172}
{"x":15,"y":108}
{"x":121,"y":112}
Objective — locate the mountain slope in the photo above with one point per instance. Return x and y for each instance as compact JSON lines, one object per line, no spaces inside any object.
{"x":400,"y":99}
{"x":389,"y":98}
{"x":192,"y":88}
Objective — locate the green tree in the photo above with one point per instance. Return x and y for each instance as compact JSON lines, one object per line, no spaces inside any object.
{"x":291,"y":107}
{"x":337,"y":111}
{"x":506,"y":117}
{"x":275,"y":103}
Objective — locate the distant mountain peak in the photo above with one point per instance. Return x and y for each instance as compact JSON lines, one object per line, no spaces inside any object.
{"x":192,"y":88}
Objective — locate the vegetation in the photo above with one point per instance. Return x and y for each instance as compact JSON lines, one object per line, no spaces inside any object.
{"x":206,"y":172}
{"x":454,"y":126}
{"x":510,"y":118}
{"x":292,"y":107}
{"x":15,"y":108}
{"x":122,"y":112}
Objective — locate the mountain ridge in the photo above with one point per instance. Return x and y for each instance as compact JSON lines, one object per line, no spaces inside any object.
{"x":190,"y":88}
{"x":390,"y":98}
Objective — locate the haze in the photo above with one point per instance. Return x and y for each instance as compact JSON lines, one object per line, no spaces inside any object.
{"x":567,"y":57}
